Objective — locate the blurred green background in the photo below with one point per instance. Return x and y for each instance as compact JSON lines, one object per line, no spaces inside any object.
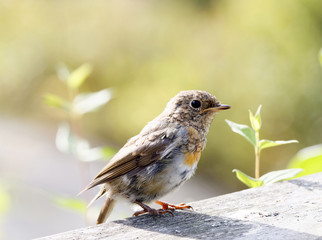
{"x":246,"y":53}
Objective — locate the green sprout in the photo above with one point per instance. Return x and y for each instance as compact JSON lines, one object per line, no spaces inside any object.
{"x":69,"y":137}
{"x":252,"y":135}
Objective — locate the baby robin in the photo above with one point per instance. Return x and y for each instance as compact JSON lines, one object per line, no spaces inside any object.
{"x":161,"y":157}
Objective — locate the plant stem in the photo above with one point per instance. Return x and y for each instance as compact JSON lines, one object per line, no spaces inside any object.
{"x":257,"y":156}
{"x":75,"y":121}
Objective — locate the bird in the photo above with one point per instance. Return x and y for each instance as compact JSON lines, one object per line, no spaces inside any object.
{"x":161,"y":157}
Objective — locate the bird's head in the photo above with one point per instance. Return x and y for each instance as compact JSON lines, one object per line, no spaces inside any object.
{"x":194,"y":107}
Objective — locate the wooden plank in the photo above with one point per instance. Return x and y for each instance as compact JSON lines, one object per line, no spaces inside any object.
{"x":286,"y":210}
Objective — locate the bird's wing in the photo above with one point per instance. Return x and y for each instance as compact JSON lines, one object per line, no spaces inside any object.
{"x":135,"y":157}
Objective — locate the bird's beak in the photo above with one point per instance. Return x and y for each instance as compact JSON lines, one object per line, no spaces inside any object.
{"x":222,"y":107}
{"x":217,"y":108}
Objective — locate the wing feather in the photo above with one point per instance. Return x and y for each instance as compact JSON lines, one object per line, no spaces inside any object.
{"x":131,"y":159}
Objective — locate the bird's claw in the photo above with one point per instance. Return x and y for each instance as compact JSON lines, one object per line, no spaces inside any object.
{"x":155,"y":212}
{"x":166,"y":208}
{"x":172,"y":207}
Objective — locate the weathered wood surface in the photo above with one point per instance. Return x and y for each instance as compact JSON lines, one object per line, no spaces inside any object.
{"x":286,"y":210}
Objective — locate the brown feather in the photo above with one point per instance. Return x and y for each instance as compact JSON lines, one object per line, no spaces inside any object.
{"x":144,"y":155}
{"x":106,"y":210}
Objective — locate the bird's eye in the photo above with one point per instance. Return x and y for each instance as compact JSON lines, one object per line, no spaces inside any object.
{"x":195,"y":103}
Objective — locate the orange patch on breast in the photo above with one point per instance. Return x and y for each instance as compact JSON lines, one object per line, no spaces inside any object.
{"x":191,"y":158}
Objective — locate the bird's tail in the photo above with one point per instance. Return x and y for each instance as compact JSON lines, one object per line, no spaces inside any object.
{"x":106,"y":209}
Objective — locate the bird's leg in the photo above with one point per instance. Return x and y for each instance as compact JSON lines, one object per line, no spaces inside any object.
{"x":166,"y":206}
{"x":147,"y":209}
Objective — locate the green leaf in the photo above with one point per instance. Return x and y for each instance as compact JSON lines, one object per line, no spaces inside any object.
{"x":71,"y":203}
{"x":243,"y":130}
{"x":320,"y":56}
{"x":108,"y":152}
{"x":78,"y":76}
{"x":88,"y":154}
{"x":309,"y":159}
{"x":57,"y":102}
{"x":64,"y":138}
{"x":247,"y":180}
{"x":4,"y":200}
{"x":67,"y":142}
{"x":279,"y":175}
{"x":268,"y":143}
{"x":62,"y":72}
{"x":89,"y":102}
{"x":256,"y":120}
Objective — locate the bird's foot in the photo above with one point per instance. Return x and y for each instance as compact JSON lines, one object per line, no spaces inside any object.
{"x":155,"y":212}
{"x":167,"y":206}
